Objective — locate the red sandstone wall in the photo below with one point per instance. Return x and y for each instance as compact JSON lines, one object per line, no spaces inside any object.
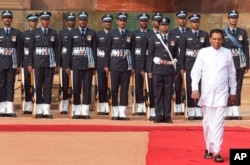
{"x":200,"y":6}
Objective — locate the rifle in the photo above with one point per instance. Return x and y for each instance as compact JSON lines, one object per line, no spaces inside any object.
{"x":133,"y":93}
{"x":60,"y":91}
{"x":71,"y":95}
{"x":148,"y":98}
{"x":22,"y":90}
{"x":109,"y":94}
{"x":185,"y":92}
{"x":96,"y":92}
{"x":33,"y":88}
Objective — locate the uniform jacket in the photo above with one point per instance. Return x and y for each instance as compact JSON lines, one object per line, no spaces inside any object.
{"x":63,"y":41}
{"x":77,"y":39}
{"x":103,"y":49}
{"x":116,"y":42}
{"x":242,"y":37}
{"x":190,"y":46}
{"x":25,"y":42}
{"x":38,"y":39}
{"x":10,"y":41}
{"x":156,"y":49}
{"x":176,"y":33}
{"x":140,"y":49}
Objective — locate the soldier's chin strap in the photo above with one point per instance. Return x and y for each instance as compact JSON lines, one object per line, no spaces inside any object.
{"x":174,"y":60}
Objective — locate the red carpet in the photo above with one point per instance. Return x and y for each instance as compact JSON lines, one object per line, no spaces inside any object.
{"x":173,"y":145}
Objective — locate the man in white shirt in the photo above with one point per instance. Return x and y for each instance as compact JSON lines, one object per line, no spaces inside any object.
{"x":215,"y":68}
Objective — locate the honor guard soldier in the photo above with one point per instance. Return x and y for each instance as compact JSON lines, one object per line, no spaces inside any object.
{"x":63,"y":40}
{"x":177,"y":33}
{"x":103,"y":63}
{"x":10,"y":49}
{"x":140,"y":44}
{"x":81,"y":58}
{"x":191,"y":42}
{"x":236,"y":39}
{"x":25,"y":40}
{"x":121,"y":65}
{"x":161,"y":64}
{"x":43,"y":56}
{"x":150,"y":34}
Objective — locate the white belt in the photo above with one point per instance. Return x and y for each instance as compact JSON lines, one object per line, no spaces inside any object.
{"x":159,"y":61}
{"x":120,"y":52}
{"x":191,"y":52}
{"x":100,"y":53}
{"x":42,"y":51}
{"x":81,"y":51}
{"x":6,"y":51}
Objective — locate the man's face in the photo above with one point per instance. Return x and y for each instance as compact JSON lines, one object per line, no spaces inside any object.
{"x":143,"y":24}
{"x":45,"y":22}
{"x":155,"y":23}
{"x":82,"y":23}
{"x":71,"y":23}
{"x":216,"y":40}
{"x":164,"y":28}
{"x":7,"y":21}
{"x":33,"y":24}
{"x":233,"y":21}
{"x":195,"y":25}
{"x":107,"y":25}
{"x":182,"y":21}
{"x":121,"y":23}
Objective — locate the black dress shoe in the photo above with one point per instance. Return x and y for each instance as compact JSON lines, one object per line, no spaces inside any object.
{"x":182,"y":113}
{"x":101,"y":113}
{"x":218,"y":159}
{"x":48,"y":116}
{"x":158,"y":120}
{"x":10,"y":115}
{"x":228,"y":117}
{"x":123,"y":118}
{"x":208,"y":155}
{"x":115,"y":118}
{"x":27,"y":112}
{"x":169,"y":121}
{"x":2,"y":114}
{"x":237,"y":118}
{"x":76,"y":117}
{"x":85,"y":117}
{"x":64,"y":113}
{"x":198,"y":118}
{"x":191,"y":118}
{"x":151,"y":118}
{"x":177,"y":113}
{"x":143,"y":114}
{"x":39,"y":116}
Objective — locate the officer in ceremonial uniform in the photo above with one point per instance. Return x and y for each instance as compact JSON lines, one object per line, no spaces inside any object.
{"x":190,"y":44}
{"x":177,"y":33}
{"x":161,"y":64}
{"x":81,"y":58}
{"x":121,"y":65}
{"x":25,"y":40}
{"x":43,"y":56}
{"x":10,"y":48}
{"x":150,"y":34}
{"x":140,"y":53}
{"x":63,"y":40}
{"x":103,"y":63}
{"x":236,"y":39}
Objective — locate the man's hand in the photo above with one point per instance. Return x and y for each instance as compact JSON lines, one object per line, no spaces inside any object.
{"x":150,"y":75}
{"x":106,"y":70}
{"x":142,"y":74}
{"x":231,"y":99}
{"x":195,"y":95}
{"x":67,"y":70}
{"x":30,"y":69}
